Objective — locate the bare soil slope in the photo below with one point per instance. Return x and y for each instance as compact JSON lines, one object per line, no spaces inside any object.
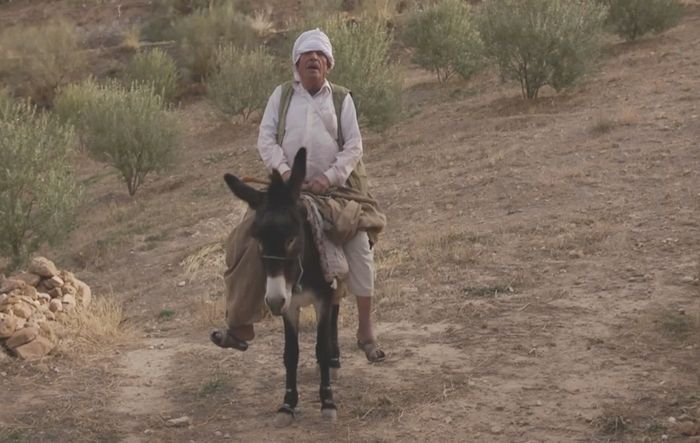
{"x":538,"y":280}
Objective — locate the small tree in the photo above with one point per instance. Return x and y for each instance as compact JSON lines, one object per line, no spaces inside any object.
{"x":38,"y":194}
{"x":200,"y":34}
{"x":631,"y":19}
{"x":243,"y":80}
{"x":40,"y":59}
{"x":156,"y":68}
{"x":445,"y":39}
{"x":542,"y":42}
{"x":127,"y":128}
{"x":361,"y":52}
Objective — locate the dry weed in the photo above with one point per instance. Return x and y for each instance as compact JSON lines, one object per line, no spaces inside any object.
{"x":261,"y":23}
{"x":605,"y":123}
{"x":391,"y":295}
{"x":389,"y":261}
{"x":208,"y":311}
{"x":206,"y":265}
{"x":89,"y":330}
{"x":451,"y":245}
{"x":132,"y":38}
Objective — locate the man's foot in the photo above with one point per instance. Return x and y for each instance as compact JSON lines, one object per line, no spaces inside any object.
{"x":372,"y":350}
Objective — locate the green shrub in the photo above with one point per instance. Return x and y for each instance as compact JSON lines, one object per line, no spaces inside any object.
{"x":631,"y":19}
{"x":243,"y":80}
{"x":361,"y":52}
{"x":156,"y":68}
{"x":445,"y":39}
{"x":542,"y":42}
{"x":39,"y":59}
{"x":126,"y":128}
{"x":38,"y":194}
{"x":200,"y":34}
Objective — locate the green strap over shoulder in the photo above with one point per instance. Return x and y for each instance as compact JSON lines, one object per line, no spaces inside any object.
{"x":358,"y":177}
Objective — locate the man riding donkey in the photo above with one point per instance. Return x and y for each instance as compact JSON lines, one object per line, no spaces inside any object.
{"x":310,"y":112}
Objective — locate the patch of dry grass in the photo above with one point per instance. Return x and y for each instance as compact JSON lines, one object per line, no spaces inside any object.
{"x":612,"y":422}
{"x":208,"y":311}
{"x":391,"y":294}
{"x":206,"y":264}
{"x":451,"y":245}
{"x":679,"y":325}
{"x":89,"y":330}
{"x":605,"y":123}
{"x":388,"y":261}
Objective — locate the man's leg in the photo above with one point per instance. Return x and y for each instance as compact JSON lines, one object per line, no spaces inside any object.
{"x":245,"y":287}
{"x":361,"y":284}
{"x":365,"y":332}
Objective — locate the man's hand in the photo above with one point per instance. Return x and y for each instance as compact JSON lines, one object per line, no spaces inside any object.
{"x":317,"y":185}
{"x":286,"y":176}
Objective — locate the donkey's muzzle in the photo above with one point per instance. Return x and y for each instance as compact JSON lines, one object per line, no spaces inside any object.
{"x":275,"y":304}
{"x":277,"y":295}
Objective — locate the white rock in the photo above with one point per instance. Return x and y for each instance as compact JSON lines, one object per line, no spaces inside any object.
{"x":37,"y":348}
{"x":53,"y":282}
{"x":55,"y":305}
{"x":84,"y":295}
{"x":179,"y":422}
{"x":8,"y":326}
{"x":43,"y":267}
{"x":21,"y":337}
{"x":68,"y":302}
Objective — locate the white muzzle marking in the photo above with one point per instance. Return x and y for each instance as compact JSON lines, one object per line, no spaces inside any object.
{"x":277,"y":294}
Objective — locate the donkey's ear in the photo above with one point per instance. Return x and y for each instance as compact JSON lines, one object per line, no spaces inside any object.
{"x":298,"y":172}
{"x":246,"y":193}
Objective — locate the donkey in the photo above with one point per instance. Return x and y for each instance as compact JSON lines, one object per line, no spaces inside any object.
{"x":294,"y":277}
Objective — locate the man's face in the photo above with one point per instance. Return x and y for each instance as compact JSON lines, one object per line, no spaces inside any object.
{"x":312,"y":67}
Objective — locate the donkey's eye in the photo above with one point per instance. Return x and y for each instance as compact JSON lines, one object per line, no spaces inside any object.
{"x":291,"y":244}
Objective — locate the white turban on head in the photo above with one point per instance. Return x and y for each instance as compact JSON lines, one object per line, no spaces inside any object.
{"x":312,"y":40}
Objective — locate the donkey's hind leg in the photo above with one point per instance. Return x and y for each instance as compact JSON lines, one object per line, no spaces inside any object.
{"x":323,"y":343}
{"x":285,"y":414}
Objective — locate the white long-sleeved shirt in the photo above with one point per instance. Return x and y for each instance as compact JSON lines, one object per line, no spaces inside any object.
{"x":311,"y":123}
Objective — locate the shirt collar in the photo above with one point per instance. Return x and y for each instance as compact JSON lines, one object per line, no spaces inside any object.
{"x":326,"y":86}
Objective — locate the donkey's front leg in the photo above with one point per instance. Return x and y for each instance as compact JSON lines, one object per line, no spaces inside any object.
{"x":285,"y":414}
{"x":324,"y":350}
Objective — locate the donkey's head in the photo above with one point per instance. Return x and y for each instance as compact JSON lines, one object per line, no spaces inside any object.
{"x":278,"y":228}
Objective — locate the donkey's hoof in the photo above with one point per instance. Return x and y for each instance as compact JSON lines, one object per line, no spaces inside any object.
{"x":329,"y":414}
{"x":283,"y":419}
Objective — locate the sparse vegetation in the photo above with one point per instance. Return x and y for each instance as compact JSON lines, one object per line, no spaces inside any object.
{"x":102,"y":112}
{"x":632,"y":19}
{"x":243,"y":80}
{"x":678,"y":325}
{"x":445,"y":39}
{"x":156,"y":68}
{"x":216,"y":385}
{"x":612,"y":423}
{"x":166,"y":314}
{"x":38,"y":194}
{"x":542,"y":42}
{"x":200,"y":34}
{"x":93,"y":327}
{"x":39,"y":59}
{"x":361,"y":52}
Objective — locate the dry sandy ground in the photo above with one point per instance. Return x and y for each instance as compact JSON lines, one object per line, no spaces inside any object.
{"x":537,"y":282}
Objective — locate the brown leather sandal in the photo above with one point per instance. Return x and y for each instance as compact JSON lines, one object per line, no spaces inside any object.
{"x":225,"y":339}
{"x":372,"y":351}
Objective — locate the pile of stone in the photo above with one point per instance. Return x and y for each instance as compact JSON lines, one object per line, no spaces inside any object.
{"x":31,"y":304}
